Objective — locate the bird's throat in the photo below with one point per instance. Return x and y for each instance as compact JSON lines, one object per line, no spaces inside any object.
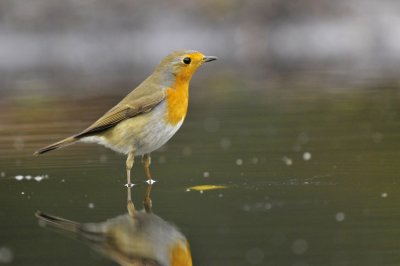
{"x":177,"y":101}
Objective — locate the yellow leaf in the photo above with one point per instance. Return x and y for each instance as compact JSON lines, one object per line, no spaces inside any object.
{"x":206,"y":187}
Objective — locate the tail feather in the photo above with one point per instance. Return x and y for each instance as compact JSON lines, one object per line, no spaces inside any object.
{"x":57,"y":222}
{"x":90,"y":232}
{"x":57,"y":145}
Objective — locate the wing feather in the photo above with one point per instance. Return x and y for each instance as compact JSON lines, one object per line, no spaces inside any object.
{"x":122,"y":111}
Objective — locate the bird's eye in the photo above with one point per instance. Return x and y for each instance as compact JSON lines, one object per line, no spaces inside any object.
{"x":187,"y":60}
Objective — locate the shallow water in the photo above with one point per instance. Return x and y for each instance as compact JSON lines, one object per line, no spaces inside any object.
{"x":311,"y":178}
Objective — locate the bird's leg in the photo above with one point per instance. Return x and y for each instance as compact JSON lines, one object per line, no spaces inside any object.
{"x":129,"y":165}
{"x":146,"y":160}
{"x":131,"y":207}
{"x":147,"y":203}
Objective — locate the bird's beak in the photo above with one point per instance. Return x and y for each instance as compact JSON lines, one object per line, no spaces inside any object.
{"x":209,"y":58}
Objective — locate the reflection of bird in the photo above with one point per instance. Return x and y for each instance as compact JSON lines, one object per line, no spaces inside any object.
{"x":138,"y":238}
{"x":148,"y":116}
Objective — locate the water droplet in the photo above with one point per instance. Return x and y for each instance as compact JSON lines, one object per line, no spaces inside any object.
{"x":19,"y":177}
{"x":206,"y":174}
{"x":91,"y":205}
{"x":340,"y":216}
{"x":299,"y":246}
{"x":2,"y":174}
{"x":225,"y":143}
{"x":254,"y":160}
{"x":384,"y":195}
{"x":28,"y":177}
{"x":268,"y":206}
{"x":239,"y":161}
{"x":246,"y":207}
{"x":38,"y":178}
{"x":306,"y":156}
{"x":287,"y":161}
{"x":6,"y":255}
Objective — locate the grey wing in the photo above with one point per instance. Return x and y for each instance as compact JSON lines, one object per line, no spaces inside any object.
{"x":122,"y":111}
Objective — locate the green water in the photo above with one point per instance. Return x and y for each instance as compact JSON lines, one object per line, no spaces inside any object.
{"x":312,"y":178}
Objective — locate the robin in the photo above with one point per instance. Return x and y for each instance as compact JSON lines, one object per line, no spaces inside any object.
{"x":139,"y":238}
{"x":148,"y":116}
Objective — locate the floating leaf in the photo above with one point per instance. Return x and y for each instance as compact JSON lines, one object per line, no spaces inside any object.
{"x":206,"y":187}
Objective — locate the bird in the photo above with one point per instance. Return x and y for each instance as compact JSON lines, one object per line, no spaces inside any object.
{"x":148,"y":116}
{"x":136,"y":238}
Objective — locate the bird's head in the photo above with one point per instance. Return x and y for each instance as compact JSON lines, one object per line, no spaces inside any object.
{"x":183,"y":64}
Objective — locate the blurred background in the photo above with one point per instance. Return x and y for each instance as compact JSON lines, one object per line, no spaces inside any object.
{"x":298,"y":123}
{"x":98,"y":45}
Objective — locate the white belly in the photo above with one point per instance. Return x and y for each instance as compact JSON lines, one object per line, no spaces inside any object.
{"x":141,"y":134}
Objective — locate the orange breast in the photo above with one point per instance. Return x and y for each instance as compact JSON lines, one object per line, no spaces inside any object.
{"x":177,"y":102}
{"x":180,"y":256}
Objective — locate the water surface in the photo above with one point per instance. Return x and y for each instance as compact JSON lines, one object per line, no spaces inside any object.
{"x":311,"y":177}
